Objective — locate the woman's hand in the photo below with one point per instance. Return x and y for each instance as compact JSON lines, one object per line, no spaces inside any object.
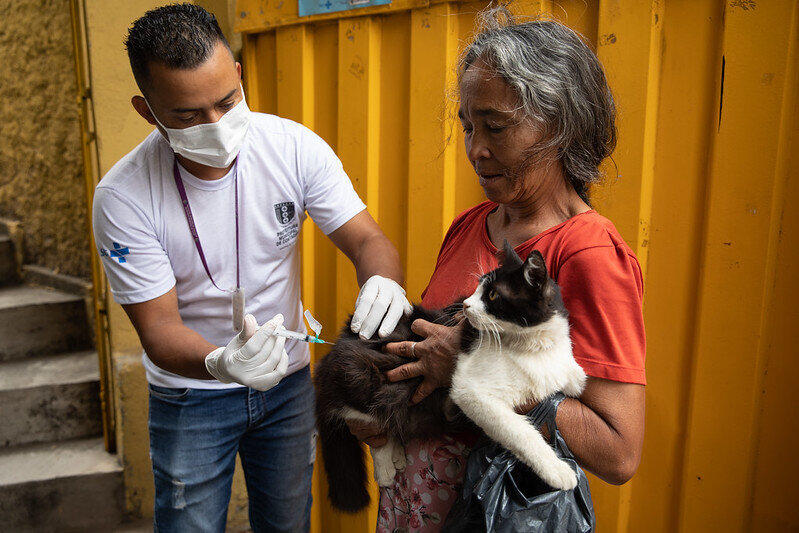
{"x":435,"y":356}
{"x":367,"y":432}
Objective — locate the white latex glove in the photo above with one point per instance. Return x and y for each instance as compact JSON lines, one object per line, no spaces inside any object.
{"x":252,"y":358}
{"x":382,"y":303}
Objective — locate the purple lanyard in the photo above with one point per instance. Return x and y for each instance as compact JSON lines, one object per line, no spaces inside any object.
{"x":193,"y":228}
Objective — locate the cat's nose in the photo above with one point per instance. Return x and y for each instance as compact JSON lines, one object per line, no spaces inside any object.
{"x":466,"y":305}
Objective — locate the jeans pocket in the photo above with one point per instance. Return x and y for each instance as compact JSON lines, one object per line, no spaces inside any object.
{"x":166,"y":393}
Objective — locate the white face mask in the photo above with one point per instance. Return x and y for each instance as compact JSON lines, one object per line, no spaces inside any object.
{"x":216,"y":144}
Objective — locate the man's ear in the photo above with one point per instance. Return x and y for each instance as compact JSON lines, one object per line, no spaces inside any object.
{"x":143,"y":109}
{"x":238,"y":69}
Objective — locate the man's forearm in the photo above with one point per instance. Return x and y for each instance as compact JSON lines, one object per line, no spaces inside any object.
{"x":381,"y":301}
{"x":178,"y":349}
{"x":378,"y":256}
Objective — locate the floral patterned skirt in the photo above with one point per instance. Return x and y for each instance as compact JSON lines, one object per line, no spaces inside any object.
{"x":425,"y":491}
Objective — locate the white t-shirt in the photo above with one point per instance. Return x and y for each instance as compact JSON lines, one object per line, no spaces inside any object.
{"x":143,"y":237}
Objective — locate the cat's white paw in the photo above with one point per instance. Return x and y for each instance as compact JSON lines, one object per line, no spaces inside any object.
{"x":384,"y":474}
{"x":387,"y":459}
{"x":559,"y":476}
{"x":398,"y":457}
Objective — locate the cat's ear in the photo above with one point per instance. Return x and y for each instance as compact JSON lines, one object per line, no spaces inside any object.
{"x":508,"y":256}
{"x":535,"y":269}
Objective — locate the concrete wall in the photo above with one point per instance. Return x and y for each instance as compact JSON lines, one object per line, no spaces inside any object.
{"x":41,"y":170}
{"x":120,"y":129}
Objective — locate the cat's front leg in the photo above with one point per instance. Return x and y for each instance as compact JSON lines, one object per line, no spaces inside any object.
{"x":398,"y":456}
{"x":384,"y":458}
{"x":575,"y":384}
{"x":514,"y":432}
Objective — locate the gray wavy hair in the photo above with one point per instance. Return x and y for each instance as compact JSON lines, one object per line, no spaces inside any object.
{"x":560,"y":84}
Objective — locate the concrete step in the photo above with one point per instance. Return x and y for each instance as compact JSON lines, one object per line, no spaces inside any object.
{"x":37,"y":321}
{"x":8,"y":262}
{"x":71,"y":486}
{"x":49,"y":398}
{"x":142,"y":525}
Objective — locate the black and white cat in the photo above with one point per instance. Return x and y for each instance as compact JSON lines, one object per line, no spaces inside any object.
{"x":515,"y":350}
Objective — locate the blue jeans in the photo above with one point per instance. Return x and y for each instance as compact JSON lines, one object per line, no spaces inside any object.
{"x":194,"y":437}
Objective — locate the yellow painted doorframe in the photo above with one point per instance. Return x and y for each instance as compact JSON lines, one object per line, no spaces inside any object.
{"x":91,"y":176}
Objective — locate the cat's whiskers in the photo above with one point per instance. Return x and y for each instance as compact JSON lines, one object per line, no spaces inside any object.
{"x":484,"y":337}
{"x":487,"y":329}
{"x":493,"y":329}
{"x":448,"y":321}
{"x":477,"y":323}
{"x":454,"y":318}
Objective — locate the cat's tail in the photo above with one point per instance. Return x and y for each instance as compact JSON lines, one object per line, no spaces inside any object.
{"x":345,"y":465}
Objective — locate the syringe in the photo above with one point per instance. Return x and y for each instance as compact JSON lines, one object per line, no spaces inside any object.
{"x":300,"y":337}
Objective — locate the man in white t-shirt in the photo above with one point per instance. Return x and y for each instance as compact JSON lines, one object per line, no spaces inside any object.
{"x":198,"y":226}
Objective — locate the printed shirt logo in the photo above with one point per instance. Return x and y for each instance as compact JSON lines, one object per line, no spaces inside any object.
{"x":284,"y":212}
{"x":119,"y":252}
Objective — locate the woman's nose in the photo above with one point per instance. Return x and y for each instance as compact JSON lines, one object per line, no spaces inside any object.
{"x":476,"y":150}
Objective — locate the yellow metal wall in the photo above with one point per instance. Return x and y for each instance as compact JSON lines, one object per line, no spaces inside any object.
{"x":700,"y":186}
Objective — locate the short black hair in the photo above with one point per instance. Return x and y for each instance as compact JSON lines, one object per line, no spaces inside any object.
{"x":181,"y":36}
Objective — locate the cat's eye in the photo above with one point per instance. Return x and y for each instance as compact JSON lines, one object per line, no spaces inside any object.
{"x":492,"y":295}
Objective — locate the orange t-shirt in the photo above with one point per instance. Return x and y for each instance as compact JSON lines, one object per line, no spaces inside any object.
{"x":599,"y":277}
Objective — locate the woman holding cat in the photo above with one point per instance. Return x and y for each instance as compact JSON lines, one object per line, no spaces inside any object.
{"x":538,"y":119}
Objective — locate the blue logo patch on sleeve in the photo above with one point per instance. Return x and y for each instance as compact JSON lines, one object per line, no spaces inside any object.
{"x":118,"y":253}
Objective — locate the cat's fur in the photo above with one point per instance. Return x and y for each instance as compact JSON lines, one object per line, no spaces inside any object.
{"x":515,"y":350}
{"x":351,"y":384}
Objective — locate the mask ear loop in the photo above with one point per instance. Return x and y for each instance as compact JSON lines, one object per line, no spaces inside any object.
{"x":153,"y":113}
{"x":243,"y":96}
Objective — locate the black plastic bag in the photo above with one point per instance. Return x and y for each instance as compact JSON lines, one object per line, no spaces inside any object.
{"x":501,"y":494}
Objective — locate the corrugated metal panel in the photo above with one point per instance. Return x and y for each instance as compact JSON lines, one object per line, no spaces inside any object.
{"x":699,"y":185}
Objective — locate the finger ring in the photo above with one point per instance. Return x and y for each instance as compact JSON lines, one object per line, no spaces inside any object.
{"x":413,"y":349}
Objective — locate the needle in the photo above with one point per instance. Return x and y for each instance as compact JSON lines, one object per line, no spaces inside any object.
{"x":300,"y":337}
